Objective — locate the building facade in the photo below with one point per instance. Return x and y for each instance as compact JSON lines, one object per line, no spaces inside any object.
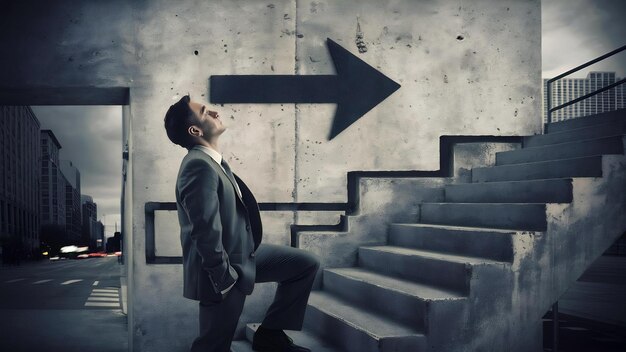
{"x":568,"y":89}
{"x":53,"y":185}
{"x":99,"y":236}
{"x":19,"y":181}
{"x":90,"y":228}
{"x":73,"y":208}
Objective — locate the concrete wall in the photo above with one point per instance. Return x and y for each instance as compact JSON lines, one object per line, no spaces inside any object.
{"x":465,"y":68}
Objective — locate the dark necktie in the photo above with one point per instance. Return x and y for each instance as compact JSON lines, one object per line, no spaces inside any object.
{"x":230,"y":175}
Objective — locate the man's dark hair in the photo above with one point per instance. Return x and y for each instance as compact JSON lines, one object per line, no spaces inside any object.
{"x":177,"y":120}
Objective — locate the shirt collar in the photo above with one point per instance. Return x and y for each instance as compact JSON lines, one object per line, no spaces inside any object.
{"x":210,"y":152}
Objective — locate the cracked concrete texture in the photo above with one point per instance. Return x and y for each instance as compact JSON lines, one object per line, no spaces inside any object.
{"x":483,"y":84}
{"x":162,"y":50}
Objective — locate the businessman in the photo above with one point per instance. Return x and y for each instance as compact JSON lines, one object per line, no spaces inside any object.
{"x":221,"y":234}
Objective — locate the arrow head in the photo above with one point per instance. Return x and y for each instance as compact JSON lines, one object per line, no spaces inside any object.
{"x":361,"y":87}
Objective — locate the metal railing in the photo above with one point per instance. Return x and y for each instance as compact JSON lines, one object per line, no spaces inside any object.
{"x":578,"y":68}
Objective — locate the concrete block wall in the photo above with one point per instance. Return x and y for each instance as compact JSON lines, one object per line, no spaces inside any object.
{"x":470,"y":68}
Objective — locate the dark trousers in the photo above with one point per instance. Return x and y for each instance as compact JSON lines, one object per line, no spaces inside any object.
{"x":294,"y":269}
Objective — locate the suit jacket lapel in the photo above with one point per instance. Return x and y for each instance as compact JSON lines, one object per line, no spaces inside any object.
{"x":224,"y":173}
{"x":232,"y":182}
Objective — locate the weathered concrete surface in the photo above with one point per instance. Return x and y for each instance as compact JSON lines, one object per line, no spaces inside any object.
{"x":545,"y":264}
{"x":231,"y":38}
{"x":379,"y":198}
{"x":378,"y":206}
{"x":506,"y":301}
{"x":67,"y":44}
{"x":465,"y":68}
{"x":469,"y":155}
{"x":460,"y":74}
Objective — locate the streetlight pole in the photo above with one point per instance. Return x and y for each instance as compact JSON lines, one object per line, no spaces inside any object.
{"x":104,"y":230}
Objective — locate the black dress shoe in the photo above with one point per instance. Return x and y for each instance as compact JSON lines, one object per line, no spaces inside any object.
{"x":270,"y":340}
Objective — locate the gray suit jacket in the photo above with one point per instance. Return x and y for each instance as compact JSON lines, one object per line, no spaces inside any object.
{"x":219,"y":231}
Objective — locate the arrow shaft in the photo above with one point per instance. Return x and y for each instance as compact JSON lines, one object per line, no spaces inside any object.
{"x":272,"y":89}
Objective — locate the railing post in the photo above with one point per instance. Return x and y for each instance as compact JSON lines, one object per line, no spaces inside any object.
{"x":575,"y":69}
{"x":549,"y":101}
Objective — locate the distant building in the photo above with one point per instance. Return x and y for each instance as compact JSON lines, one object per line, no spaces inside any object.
{"x":73,"y":209}
{"x":99,"y":235}
{"x":53,"y":194}
{"x":20,"y":157}
{"x":52,"y":181}
{"x":568,"y":89}
{"x":114,"y":244}
{"x":620,"y":95}
{"x":90,"y":221}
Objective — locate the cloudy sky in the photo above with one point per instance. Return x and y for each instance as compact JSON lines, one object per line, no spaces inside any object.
{"x":91,"y":137}
{"x":576,"y":31}
{"x":573,"y":32}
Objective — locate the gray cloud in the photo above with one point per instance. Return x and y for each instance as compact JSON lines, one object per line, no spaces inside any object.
{"x":576,"y":31}
{"x":91,"y":137}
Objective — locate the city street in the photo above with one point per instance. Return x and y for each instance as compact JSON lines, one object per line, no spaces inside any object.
{"x":67,"y":305}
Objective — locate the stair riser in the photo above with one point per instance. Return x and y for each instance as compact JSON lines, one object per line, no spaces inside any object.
{"x":589,"y":132}
{"x":400,"y":307}
{"x":543,"y":191}
{"x":302,"y":338}
{"x":611,"y":145}
{"x":491,"y":245}
{"x":503,"y":216}
{"x":604,"y":118}
{"x":444,"y":274}
{"x":347,"y":337}
{"x":584,"y":167}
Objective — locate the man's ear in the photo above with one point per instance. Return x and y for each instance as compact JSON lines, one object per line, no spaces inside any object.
{"x":194,"y":131}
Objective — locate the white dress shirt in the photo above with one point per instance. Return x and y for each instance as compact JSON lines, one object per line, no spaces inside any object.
{"x":215,"y":155}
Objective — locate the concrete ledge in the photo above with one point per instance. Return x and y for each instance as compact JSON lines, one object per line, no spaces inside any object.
{"x":65,"y":96}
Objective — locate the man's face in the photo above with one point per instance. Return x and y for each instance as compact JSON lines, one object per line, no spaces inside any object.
{"x":208,"y":121}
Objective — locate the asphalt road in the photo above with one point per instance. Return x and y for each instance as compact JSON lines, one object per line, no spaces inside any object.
{"x":70,"y":305}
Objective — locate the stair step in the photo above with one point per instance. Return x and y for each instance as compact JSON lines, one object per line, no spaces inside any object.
{"x":302,"y":338}
{"x":445,"y":271}
{"x":590,"y":166}
{"x":406,"y":301}
{"x":523,"y":216}
{"x":568,"y":150}
{"x":610,"y":129}
{"x":241,"y":346}
{"x":355,"y":329}
{"x":598,"y":119}
{"x":476,"y":242}
{"x":528,"y":191}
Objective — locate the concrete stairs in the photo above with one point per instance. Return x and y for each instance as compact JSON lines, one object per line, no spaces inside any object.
{"x":302,"y":338}
{"x":478,"y":270}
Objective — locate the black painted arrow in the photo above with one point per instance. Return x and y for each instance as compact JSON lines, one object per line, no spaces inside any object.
{"x":356,"y":89}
